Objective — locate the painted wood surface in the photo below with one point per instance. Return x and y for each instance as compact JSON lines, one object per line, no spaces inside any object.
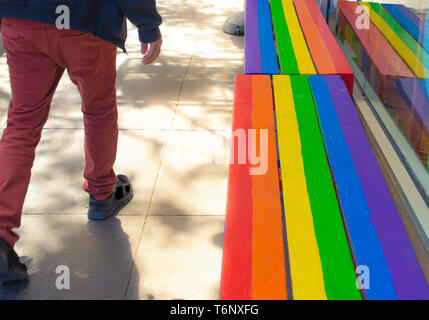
{"x":407,"y":277}
{"x":268,"y":260}
{"x":320,"y":260}
{"x":256,"y":228}
{"x":236,"y":279}
{"x":304,"y":257}
{"x":338,"y":211}
{"x":366,"y":246}
{"x":327,"y":55}
{"x":260,"y":52}
{"x":292,"y":49}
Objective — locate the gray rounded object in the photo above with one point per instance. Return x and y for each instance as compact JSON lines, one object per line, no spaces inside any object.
{"x":235,"y":24}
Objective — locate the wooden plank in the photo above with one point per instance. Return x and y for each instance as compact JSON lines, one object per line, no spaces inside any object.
{"x":287,"y":58}
{"x":236,"y":275}
{"x":337,"y":265}
{"x":327,"y":55}
{"x":305,"y":63}
{"x":266,"y":39}
{"x":268,"y":258}
{"x":252,"y":49}
{"x":366,"y":246}
{"x":304,"y":258}
{"x":400,"y":40}
{"x":293,"y":51}
{"x":379,"y":50}
{"x":259,"y":46}
{"x":313,"y":35}
{"x":406,"y":274}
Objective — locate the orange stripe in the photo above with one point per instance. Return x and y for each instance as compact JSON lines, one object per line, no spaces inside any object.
{"x":316,"y":43}
{"x":268,"y":261}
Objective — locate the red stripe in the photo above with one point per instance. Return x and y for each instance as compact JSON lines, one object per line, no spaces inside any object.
{"x":236,"y":282}
{"x":340,"y":61}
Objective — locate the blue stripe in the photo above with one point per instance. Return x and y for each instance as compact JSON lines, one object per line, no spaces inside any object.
{"x":408,"y":24}
{"x":266,"y":39}
{"x":366,"y":246}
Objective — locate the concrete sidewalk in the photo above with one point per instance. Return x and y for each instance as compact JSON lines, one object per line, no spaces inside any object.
{"x":175,"y":119}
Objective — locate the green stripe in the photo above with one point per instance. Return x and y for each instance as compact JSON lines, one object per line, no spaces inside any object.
{"x":409,"y":41}
{"x":288,"y":62}
{"x":338,"y":270}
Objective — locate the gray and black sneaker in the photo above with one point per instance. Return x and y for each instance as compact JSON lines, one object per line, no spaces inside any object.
{"x":121,"y":196}
{"x":11,"y":269}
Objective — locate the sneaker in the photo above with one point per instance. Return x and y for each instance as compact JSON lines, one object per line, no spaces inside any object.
{"x":11,"y":269}
{"x":121,"y":196}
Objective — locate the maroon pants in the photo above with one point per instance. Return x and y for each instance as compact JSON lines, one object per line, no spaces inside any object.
{"x":37,"y":55}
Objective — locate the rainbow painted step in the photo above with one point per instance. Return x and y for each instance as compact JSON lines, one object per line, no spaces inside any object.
{"x":338,"y":216}
{"x":304,"y":43}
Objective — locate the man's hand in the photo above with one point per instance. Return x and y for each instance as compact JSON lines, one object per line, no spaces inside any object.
{"x":151,"y":51}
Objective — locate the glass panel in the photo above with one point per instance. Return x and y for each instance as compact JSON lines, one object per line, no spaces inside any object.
{"x":387,"y":43}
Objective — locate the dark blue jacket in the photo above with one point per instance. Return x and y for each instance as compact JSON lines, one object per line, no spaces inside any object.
{"x":105,"y":19}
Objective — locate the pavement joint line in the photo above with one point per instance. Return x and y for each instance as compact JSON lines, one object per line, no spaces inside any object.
{"x":164,"y":151}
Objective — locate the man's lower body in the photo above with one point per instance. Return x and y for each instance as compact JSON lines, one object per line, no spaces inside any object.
{"x":37,"y":55}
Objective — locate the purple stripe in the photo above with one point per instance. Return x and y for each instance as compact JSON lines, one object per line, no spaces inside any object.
{"x":252,"y":51}
{"x":407,"y":276}
{"x":410,"y":15}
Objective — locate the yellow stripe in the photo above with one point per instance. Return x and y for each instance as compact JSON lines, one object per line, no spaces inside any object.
{"x":409,"y":57}
{"x":302,"y":54}
{"x":305,"y":263}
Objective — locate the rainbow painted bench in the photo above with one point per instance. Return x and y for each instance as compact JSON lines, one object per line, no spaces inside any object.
{"x":333,"y":231}
{"x":302,"y":42}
